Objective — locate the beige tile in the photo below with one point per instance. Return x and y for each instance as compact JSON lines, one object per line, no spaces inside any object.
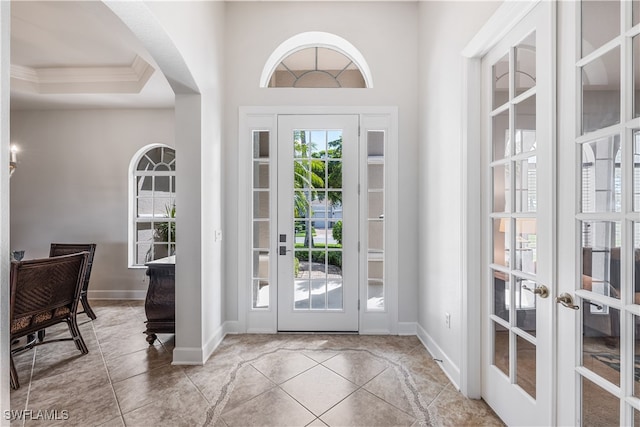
{"x":115,"y":422}
{"x":181,"y":408}
{"x":150,"y":386}
{"x":283,"y":365}
{"x":316,"y":423}
{"x":129,"y":365}
{"x":387,"y":386}
{"x":320,"y":355}
{"x":318,"y":389}
{"x":451,"y":408}
{"x":212,"y":377}
{"x":272,"y":408}
{"x":421,"y":364}
{"x":364,"y":409}
{"x":358,"y":367}
{"x":247,"y":384}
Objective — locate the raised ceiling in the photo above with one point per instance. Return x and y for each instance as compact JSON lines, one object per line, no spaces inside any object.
{"x":74,"y":54}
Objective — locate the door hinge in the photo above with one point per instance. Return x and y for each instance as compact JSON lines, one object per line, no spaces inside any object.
{"x":358,"y":189}
{"x":358,"y":305}
{"x":358,"y":131}
{"x":358,"y":246}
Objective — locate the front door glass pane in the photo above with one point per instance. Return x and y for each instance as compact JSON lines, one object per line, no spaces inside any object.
{"x":501,"y":82}
{"x":376,"y":221}
{"x":501,"y":347}
{"x":600,"y":23}
{"x":317,"y":225}
{"x":526,"y":306}
{"x":601,"y":91}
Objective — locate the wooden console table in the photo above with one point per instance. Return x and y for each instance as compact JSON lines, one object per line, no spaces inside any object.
{"x":160,"y":304}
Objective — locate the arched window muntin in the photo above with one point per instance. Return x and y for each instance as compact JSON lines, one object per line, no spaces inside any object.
{"x":315,"y":39}
{"x":152,"y":208}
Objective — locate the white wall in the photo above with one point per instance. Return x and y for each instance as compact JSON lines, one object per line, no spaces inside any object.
{"x":71,"y":186}
{"x":445,"y":29}
{"x":386,"y":34}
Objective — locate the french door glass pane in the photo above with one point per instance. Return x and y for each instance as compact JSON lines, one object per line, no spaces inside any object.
{"x":525,"y":61}
{"x":601,"y":91}
{"x":526,"y":306}
{"x":600,"y":23}
{"x":526,"y":185}
{"x":636,"y":72}
{"x":525,"y":123}
{"x":501,"y":81}
{"x":599,"y":407}
{"x":636,"y":353}
{"x":601,"y":175}
{"x":501,"y":348}
{"x":636,"y":170}
{"x":501,"y":241}
{"x":526,"y":245}
{"x":501,"y":185}
{"x":601,"y":257}
{"x":501,"y":295}
{"x":500,"y":132}
{"x":601,"y":340}
{"x":636,"y":12}
{"x":526,"y":365}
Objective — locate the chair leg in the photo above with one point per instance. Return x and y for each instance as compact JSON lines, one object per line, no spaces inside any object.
{"x":41,"y":335}
{"x":87,"y":309}
{"x":77,"y":337}
{"x":15,"y":384}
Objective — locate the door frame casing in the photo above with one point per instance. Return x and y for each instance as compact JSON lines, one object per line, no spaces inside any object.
{"x":265,"y":118}
{"x":506,"y":17}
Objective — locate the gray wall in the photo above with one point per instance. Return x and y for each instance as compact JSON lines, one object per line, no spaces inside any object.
{"x":386,"y":34}
{"x":71,"y":185}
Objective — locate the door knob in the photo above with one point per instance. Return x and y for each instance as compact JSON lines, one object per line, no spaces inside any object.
{"x":541,"y":290}
{"x":567,"y":300}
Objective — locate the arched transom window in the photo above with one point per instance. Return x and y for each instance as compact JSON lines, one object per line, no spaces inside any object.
{"x":152,"y":204}
{"x":317,"y":67}
{"x":316,"y":60}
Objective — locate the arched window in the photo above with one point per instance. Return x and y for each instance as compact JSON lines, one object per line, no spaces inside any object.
{"x":152,"y":177}
{"x":316,"y":60}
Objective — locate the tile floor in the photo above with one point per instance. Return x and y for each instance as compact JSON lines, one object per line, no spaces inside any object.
{"x":268,"y":380}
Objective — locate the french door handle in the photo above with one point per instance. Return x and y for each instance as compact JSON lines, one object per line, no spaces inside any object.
{"x":567,"y":300}
{"x":541,"y":290}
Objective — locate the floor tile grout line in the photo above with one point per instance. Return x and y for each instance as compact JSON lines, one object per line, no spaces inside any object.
{"x":106,"y":368}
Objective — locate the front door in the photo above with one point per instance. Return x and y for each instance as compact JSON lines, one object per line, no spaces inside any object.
{"x":317,"y":223}
{"x":518,"y":273}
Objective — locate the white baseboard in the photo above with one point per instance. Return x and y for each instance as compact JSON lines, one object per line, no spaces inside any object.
{"x":448,"y":367}
{"x":199,"y":356}
{"x":115,"y":294}
{"x":407,"y":328}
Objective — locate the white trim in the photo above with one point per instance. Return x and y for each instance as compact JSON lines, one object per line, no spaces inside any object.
{"x":407,"y":328}
{"x":117,"y":79}
{"x":199,"y":356}
{"x":315,"y":39}
{"x":5,"y":346}
{"x":446,"y":364}
{"x":503,"y":20}
{"x":117,"y":295}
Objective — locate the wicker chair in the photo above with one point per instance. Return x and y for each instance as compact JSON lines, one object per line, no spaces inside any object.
{"x":45,"y":292}
{"x":58,"y":249}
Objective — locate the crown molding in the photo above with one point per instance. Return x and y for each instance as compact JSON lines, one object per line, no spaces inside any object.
{"x":58,"y":80}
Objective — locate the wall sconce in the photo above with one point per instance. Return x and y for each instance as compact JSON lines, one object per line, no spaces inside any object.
{"x":13,"y":161}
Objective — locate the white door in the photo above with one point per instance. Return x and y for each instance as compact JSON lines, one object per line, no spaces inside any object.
{"x":599,"y":213}
{"x":518,"y":165}
{"x":317,"y":223}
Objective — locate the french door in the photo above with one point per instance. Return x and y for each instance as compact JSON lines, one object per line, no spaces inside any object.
{"x":318,"y":222}
{"x":599,"y":215}
{"x":518,"y":273}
